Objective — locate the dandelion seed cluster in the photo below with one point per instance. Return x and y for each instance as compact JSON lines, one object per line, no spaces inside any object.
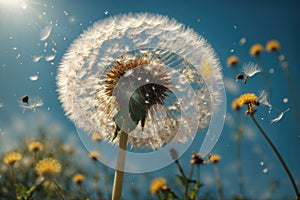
{"x":162,"y":75}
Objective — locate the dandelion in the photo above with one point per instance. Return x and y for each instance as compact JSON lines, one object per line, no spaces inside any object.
{"x":94,"y":155}
{"x":272,"y":45}
{"x":123,"y":77}
{"x":196,"y":159}
{"x":251,"y":100}
{"x":157,"y":185}
{"x":48,"y":167}
{"x":232,"y":61}
{"x":78,"y":179}
{"x":35,"y":146}
{"x":12,"y":157}
{"x":31,"y":104}
{"x":214,"y":158}
{"x":97,"y":137}
{"x":256,"y":49}
{"x":250,"y":70}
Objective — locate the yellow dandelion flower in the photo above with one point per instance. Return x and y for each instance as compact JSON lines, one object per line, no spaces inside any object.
{"x":246,"y":99}
{"x":214,"y":158}
{"x":232,"y":61}
{"x":256,"y":49}
{"x":157,"y":185}
{"x":272,"y":45}
{"x":97,"y":137}
{"x":94,"y":155}
{"x":78,"y":178}
{"x":12,"y":157}
{"x":35,"y":146}
{"x":47,"y":167}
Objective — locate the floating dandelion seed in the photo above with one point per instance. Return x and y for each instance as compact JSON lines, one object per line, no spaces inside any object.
{"x":49,"y":58}
{"x":45,"y":33}
{"x":1,"y":104}
{"x":264,"y":99}
{"x":36,"y":58}
{"x":31,"y":104}
{"x":34,"y":77}
{"x":250,"y":69}
{"x":137,"y":68}
{"x":280,"y":116}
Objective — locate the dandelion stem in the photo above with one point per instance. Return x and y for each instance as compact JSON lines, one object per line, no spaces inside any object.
{"x":13,"y":178}
{"x":278,"y":155}
{"x":265,"y":75}
{"x":218,"y":179}
{"x":239,"y":133}
{"x":184,"y":179}
{"x":119,"y":173}
{"x":291,"y":90}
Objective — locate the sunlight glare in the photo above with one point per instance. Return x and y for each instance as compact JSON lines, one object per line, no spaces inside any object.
{"x":14,"y":4}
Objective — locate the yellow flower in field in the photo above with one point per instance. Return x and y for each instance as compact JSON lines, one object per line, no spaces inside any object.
{"x":12,"y":157}
{"x":48,"y":167}
{"x":157,"y":185}
{"x":78,"y":178}
{"x":245,"y":99}
{"x":272,"y":45}
{"x":35,"y":146}
{"x":232,"y":61}
{"x":256,"y":49}
{"x":94,"y":155}
{"x":97,"y":137}
{"x":214,"y":158}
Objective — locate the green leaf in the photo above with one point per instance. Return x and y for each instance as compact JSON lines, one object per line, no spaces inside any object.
{"x":180,"y":179}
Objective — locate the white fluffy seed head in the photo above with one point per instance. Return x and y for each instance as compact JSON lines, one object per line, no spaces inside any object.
{"x":185,"y":58}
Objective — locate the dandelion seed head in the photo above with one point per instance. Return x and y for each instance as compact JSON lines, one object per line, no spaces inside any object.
{"x":129,"y":65}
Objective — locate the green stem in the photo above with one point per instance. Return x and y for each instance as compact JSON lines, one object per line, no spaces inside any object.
{"x":13,"y":178}
{"x":278,"y":156}
{"x":218,"y":179}
{"x":184,"y":179}
{"x":119,"y":173}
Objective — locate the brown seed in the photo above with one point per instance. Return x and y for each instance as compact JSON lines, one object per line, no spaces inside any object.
{"x":25,"y":99}
{"x":239,"y":77}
